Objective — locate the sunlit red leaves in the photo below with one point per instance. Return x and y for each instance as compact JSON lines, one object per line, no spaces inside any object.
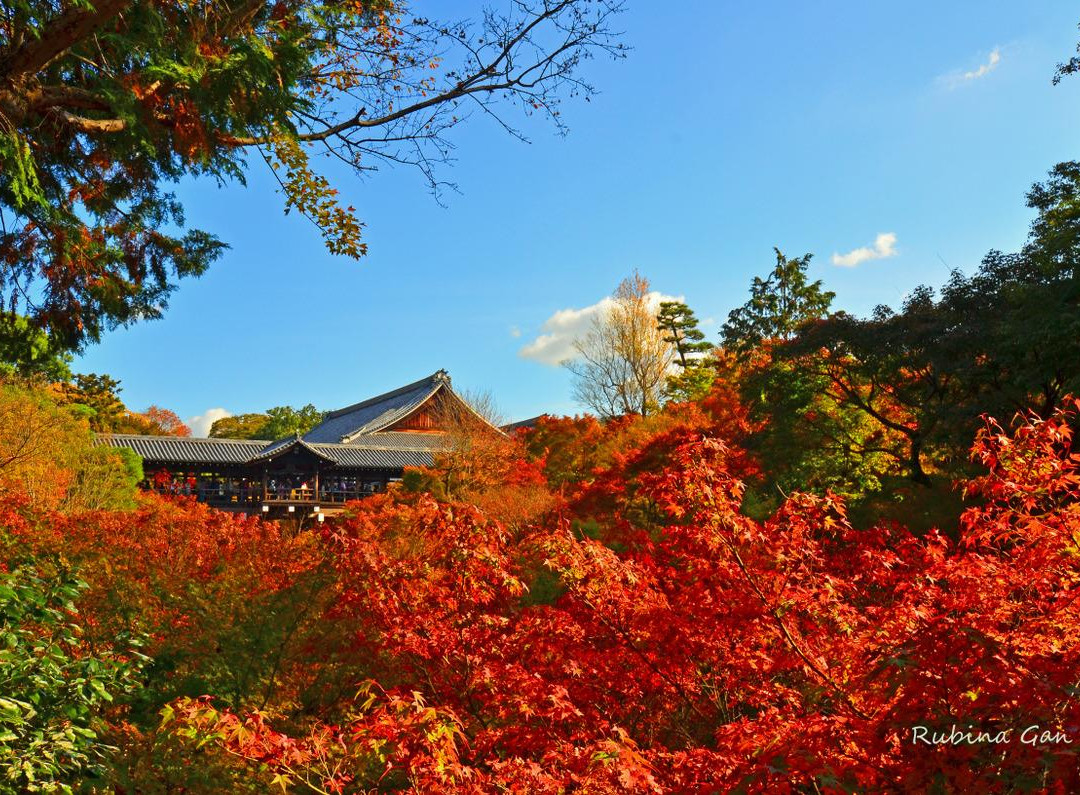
{"x":387,"y":733}
{"x":649,"y":638}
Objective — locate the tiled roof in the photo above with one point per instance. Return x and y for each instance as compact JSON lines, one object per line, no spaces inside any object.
{"x":176,"y":450}
{"x":372,"y":451}
{"x":362,"y":457}
{"x":529,"y":423}
{"x":350,"y":437}
{"x":282,"y":445}
{"x":374,"y":414}
{"x":384,"y":453}
{"x":400,"y":440}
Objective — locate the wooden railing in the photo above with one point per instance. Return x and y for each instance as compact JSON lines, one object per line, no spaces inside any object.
{"x":223,"y":495}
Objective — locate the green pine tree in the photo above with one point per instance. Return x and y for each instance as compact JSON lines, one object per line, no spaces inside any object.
{"x":680,"y":327}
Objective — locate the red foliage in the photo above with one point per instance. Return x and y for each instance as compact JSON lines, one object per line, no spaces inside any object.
{"x":166,"y":421}
{"x":645,"y":636}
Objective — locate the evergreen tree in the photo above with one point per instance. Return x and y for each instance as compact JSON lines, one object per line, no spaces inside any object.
{"x":29,"y":352}
{"x":288,"y":421}
{"x":778,"y":306}
{"x":99,"y":394}
{"x":241,"y":426}
{"x":107,"y":104}
{"x":680,"y":328}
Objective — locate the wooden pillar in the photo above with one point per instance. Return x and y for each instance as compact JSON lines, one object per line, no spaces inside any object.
{"x":315,"y":493}
{"x":264,"y":484}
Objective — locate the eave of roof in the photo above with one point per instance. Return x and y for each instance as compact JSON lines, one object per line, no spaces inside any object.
{"x":282,"y":446}
{"x":529,"y":423}
{"x":365,"y":457}
{"x":429,"y":382}
{"x":391,"y":450}
{"x":377,"y":413}
{"x":176,"y":449}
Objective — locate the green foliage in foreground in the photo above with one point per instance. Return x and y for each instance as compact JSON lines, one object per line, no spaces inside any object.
{"x":52,"y":691}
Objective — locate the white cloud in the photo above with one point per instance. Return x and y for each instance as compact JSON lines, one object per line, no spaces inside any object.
{"x":555,"y":344}
{"x":200,"y":424}
{"x":515,"y":332}
{"x":960,"y":77}
{"x":884,"y":247}
{"x":986,"y":68}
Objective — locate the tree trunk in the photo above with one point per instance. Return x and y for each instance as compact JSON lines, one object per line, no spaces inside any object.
{"x":915,"y":461}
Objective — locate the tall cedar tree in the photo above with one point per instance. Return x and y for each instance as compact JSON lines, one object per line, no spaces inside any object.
{"x":779,"y":305}
{"x":103,"y":103}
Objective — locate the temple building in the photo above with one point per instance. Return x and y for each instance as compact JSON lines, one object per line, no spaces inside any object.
{"x":354,"y":452}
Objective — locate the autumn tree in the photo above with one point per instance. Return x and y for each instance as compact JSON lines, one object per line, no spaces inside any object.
{"x":162,"y":422}
{"x":622,"y":362}
{"x":680,"y":645}
{"x":99,"y":395}
{"x":104,"y":104}
{"x":472,"y":449}
{"x":48,"y":456}
{"x":680,"y":328}
{"x":779,"y":305}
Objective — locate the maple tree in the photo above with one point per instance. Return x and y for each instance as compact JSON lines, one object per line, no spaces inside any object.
{"x":48,"y":456}
{"x":681,"y":646}
{"x":165,"y":422}
{"x":51,"y":707}
{"x":635,"y":631}
{"x":591,"y":605}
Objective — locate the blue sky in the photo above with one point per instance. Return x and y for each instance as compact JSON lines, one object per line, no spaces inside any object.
{"x":731,"y":128}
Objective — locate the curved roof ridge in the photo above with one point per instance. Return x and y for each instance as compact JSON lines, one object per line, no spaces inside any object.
{"x":436,"y":378}
{"x":281,"y":445}
{"x":377,"y":413}
{"x":392,"y":416}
